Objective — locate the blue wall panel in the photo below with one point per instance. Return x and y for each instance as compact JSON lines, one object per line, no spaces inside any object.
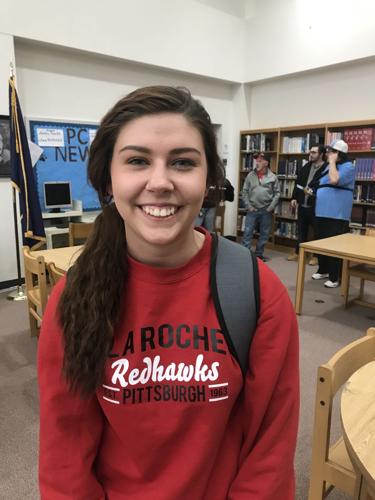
{"x":66,"y":161}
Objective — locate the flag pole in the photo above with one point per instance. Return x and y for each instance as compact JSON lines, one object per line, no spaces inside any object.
{"x":19,"y":293}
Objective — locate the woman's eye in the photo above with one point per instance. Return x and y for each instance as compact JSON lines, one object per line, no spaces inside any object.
{"x":137,"y":161}
{"x":183,"y":163}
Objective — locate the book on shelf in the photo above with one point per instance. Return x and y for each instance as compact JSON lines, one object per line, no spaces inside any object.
{"x":364,"y":169}
{"x":256,"y":142}
{"x":290,"y":167}
{"x":241,"y":222}
{"x":285,"y":209}
{"x":357,"y":215}
{"x":300,"y":144}
{"x":356,"y":230}
{"x":286,"y":187}
{"x":359,"y":138}
{"x":364,"y":193}
{"x":293,"y":144}
{"x":334,"y":136}
{"x":248,"y":162}
{"x":370,"y":217}
{"x":286,"y":229}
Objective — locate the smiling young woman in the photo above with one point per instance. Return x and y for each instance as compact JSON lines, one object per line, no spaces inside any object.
{"x":158,"y":182}
{"x":141,"y":395}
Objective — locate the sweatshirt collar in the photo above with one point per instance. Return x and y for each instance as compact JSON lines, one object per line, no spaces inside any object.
{"x":150,"y":274}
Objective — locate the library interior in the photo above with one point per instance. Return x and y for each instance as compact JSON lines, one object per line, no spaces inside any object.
{"x":139,"y":163}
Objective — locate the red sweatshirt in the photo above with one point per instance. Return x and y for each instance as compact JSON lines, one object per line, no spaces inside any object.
{"x":174,"y":418}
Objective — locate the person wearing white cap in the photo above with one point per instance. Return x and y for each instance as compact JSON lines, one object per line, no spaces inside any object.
{"x":334,"y":199}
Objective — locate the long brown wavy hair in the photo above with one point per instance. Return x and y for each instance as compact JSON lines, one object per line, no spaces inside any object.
{"x":90,"y":305}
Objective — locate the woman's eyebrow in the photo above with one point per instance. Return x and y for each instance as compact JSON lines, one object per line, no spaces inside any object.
{"x":140,"y":149}
{"x":175,"y":151}
{"x":178,"y":151}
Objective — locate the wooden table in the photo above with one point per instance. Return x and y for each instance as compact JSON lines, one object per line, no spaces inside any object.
{"x":358,"y":423}
{"x":63,"y":257}
{"x":350,"y":247}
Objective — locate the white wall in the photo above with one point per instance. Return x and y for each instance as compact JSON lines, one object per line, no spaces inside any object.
{"x":234,"y":7}
{"x":182,"y":35}
{"x":65,"y":84}
{"x":8,"y":264}
{"x":240,"y":122}
{"x":239,"y":8}
{"x":330,"y":95}
{"x":287,"y":36}
{"x":274,"y":38}
{"x":69,"y":85}
{"x":62,"y":83}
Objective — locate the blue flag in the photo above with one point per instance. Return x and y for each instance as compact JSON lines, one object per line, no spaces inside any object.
{"x":22,"y":174}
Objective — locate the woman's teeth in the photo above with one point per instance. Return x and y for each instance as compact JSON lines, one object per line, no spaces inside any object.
{"x":160,"y":212}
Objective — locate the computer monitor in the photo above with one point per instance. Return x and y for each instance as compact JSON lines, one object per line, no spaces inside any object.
{"x":57,"y":195}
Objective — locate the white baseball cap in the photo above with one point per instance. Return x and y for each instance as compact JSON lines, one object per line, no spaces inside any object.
{"x":339,"y":145}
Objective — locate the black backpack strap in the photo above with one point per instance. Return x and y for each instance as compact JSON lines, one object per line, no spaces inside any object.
{"x":314,"y":184}
{"x":334,"y":186}
{"x":322,"y":171}
{"x":235,"y":289}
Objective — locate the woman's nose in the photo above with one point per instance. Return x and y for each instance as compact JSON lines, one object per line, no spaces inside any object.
{"x":160,"y":178}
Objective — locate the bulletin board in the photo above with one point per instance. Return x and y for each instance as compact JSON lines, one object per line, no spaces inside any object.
{"x":65,"y":154}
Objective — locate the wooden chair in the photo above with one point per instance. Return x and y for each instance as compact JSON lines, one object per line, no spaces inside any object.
{"x":54,"y":273}
{"x":219,"y":219}
{"x":79,"y":231}
{"x":36,"y":289}
{"x":366,"y":492}
{"x":331,"y":466}
{"x":364,"y":273}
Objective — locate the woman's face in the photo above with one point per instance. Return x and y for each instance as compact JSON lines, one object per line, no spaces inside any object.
{"x":332,"y":155}
{"x":158,"y":181}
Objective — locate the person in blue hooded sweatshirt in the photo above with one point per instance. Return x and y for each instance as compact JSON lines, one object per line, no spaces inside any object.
{"x":334,"y":199}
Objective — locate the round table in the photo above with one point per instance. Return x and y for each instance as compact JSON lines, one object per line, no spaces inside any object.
{"x":358,"y":422}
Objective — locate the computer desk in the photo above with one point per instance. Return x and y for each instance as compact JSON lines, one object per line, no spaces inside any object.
{"x":70,"y":216}
{"x":50,"y":230}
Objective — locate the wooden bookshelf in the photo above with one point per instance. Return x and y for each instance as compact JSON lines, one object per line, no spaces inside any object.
{"x":360,"y":152}
{"x":286,"y":217}
{"x":249,"y":152}
{"x":288,"y":146}
{"x":293,"y":154}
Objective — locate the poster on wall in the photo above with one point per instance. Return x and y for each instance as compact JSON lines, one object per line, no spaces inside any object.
{"x":65,"y":153}
{"x":4,"y":146}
